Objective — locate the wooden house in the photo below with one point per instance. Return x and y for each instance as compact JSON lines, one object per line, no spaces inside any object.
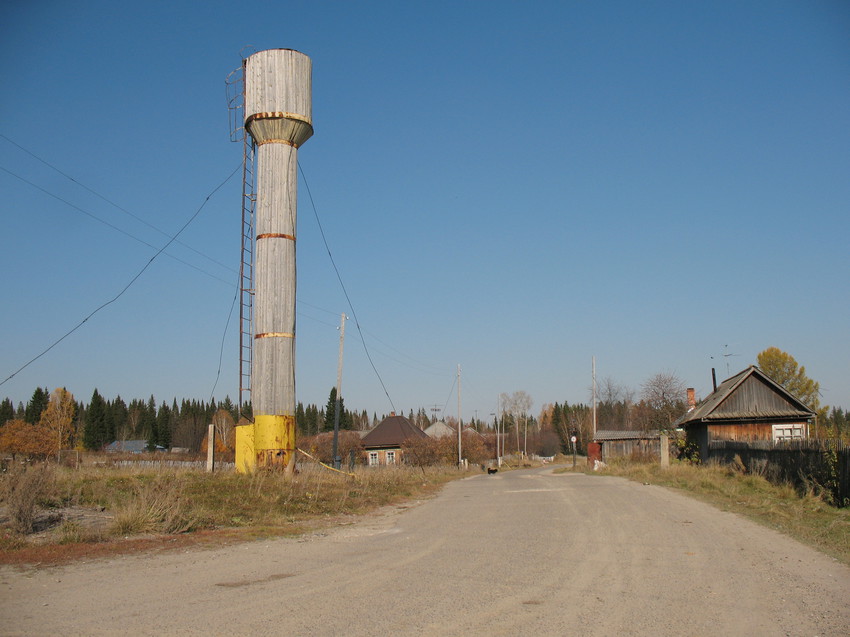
{"x":747,"y":407}
{"x":382,"y":445}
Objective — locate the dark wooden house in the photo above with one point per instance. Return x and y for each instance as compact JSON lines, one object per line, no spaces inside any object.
{"x":747,"y":407}
{"x":382,"y":445}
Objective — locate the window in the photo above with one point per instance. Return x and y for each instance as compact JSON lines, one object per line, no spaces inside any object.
{"x":784,"y":433}
{"x":373,"y":458}
{"x":390,"y":457}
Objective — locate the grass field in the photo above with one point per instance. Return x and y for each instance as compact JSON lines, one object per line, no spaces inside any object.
{"x":45,"y":505}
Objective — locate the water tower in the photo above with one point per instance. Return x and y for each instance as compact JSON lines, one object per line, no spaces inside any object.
{"x":278,"y":118}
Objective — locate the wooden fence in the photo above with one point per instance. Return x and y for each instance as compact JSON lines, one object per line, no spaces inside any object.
{"x":807,"y":464}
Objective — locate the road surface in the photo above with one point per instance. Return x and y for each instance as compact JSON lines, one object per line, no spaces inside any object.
{"x":516,"y":553}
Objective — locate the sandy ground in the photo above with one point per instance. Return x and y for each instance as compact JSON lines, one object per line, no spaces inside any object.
{"x":517,"y":553}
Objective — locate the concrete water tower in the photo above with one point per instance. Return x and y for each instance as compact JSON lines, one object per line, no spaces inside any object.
{"x":278,"y":116}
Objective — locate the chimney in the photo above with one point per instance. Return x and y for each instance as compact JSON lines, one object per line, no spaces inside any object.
{"x":692,"y":401}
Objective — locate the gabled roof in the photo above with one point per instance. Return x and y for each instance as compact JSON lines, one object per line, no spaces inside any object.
{"x":746,"y":396}
{"x":440,"y":429}
{"x":610,"y":435}
{"x":391,"y":432}
{"x":127,"y":446}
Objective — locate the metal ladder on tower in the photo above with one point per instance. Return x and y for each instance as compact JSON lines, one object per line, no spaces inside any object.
{"x":235,"y":92}
{"x":246,"y":277}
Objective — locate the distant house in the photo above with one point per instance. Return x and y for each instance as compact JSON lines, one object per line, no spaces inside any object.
{"x":382,"y":445}
{"x":440,"y":430}
{"x":747,"y":407}
{"x":127,"y":446}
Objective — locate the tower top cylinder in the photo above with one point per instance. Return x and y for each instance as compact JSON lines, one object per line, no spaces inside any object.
{"x":278,"y":97}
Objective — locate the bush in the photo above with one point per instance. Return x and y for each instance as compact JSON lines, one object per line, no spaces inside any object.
{"x":24,"y":488}
{"x":158,"y":507}
{"x":321,"y":446}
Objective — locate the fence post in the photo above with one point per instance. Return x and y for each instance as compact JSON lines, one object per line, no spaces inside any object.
{"x":211,"y":449}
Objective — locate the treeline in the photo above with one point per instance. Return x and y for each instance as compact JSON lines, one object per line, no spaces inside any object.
{"x":51,"y":421}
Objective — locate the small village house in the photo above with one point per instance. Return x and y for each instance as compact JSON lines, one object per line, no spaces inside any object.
{"x":748,"y":407}
{"x":382,"y":445}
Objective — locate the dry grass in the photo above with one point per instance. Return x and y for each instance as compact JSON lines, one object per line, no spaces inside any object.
{"x":808,"y":519}
{"x":23,"y":488}
{"x":121,"y":502}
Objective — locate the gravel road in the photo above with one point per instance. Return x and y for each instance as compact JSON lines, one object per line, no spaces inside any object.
{"x":516,"y":553}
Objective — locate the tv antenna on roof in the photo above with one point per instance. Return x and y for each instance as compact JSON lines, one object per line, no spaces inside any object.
{"x":726,"y":355}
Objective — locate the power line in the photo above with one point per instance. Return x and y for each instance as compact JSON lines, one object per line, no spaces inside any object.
{"x":109,"y":201}
{"x":126,"y":287}
{"x":110,"y":225}
{"x":342,"y":285}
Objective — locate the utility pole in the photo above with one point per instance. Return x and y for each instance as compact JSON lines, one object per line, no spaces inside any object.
{"x":594,"y":395}
{"x":459,"y":423}
{"x":337,"y":459}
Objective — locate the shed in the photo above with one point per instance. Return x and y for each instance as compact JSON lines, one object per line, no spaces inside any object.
{"x":747,"y":407}
{"x":382,"y":445}
{"x":615,"y":444}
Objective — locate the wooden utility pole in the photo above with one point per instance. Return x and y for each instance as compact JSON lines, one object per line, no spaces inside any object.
{"x":337,"y":459}
{"x":459,"y":423}
{"x":594,"y":395}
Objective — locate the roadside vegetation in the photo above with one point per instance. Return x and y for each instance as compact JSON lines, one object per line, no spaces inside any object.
{"x":48,"y":506}
{"x":805,"y":517}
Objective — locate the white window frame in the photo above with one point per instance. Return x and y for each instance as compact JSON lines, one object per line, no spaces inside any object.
{"x":373,"y":459}
{"x":792,"y":431}
{"x":390,"y":457}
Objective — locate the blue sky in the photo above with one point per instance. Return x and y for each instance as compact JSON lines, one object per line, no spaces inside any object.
{"x":512,"y":187}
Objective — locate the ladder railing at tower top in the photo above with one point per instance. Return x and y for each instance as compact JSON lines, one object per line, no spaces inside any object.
{"x":235,"y":91}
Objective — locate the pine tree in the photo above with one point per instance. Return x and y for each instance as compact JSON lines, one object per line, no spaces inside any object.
{"x":330,"y":411}
{"x":118,"y":410}
{"x":94,"y":434}
{"x":7,"y":411}
{"x":230,"y":407}
{"x":301,"y":419}
{"x":163,"y":426}
{"x":36,"y":405}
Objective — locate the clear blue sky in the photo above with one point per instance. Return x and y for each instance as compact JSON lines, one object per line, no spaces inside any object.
{"x":512,"y":187}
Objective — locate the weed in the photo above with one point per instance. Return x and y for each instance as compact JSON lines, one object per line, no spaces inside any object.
{"x":24,"y":488}
{"x":72,"y":532}
{"x":157,"y":507}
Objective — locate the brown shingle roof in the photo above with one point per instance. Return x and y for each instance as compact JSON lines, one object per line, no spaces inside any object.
{"x":391,"y":432}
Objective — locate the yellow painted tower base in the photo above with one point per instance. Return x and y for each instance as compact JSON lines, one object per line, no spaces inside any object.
{"x":268,"y":443}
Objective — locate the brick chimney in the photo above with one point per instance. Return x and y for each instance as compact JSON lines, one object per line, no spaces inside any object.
{"x":692,"y":401}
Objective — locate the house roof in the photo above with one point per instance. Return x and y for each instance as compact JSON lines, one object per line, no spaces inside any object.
{"x":128,"y":446}
{"x":748,"y":395}
{"x":440,"y":429}
{"x":391,"y":432}
{"x":607,"y":434}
